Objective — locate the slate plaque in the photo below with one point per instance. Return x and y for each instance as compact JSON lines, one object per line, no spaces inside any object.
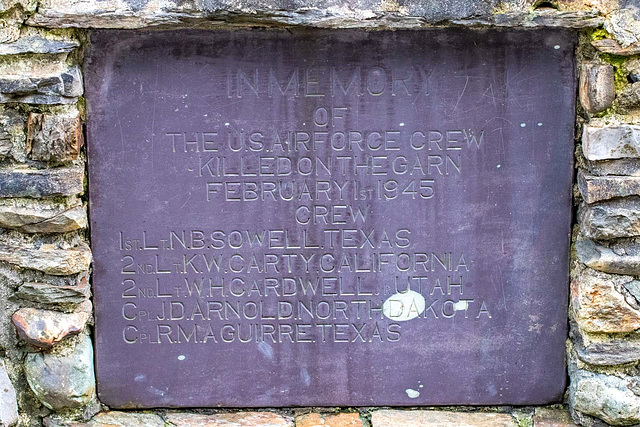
{"x":330,"y":217}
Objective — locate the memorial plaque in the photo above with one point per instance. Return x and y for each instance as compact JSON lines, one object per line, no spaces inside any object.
{"x":285,"y":218}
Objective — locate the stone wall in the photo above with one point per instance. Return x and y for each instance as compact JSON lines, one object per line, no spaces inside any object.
{"x":46,"y":353}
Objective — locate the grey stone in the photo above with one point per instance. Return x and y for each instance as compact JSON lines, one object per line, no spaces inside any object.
{"x":54,"y":137}
{"x":8,"y":402}
{"x":628,"y":167}
{"x":607,"y":397}
{"x":46,"y":328}
{"x":629,"y":98}
{"x":48,"y":258}
{"x":62,"y":88}
{"x":624,"y":25}
{"x":65,"y":379}
{"x":37,"y":44}
{"x":551,"y":417}
{"x":124,"y":419}
{"x":610,"y":351}
{"x":426,"y":418}
{"x":41,"y":183}
{"x":40,"y":218}
{"x":611,"y":142}
{"x":599,"y":188}
{"x":48,"y":295}
{"x":12,"y":134}
{"x":597,"y":90}
{"x":610,"y":220}
{"x":604,"y":259}
{"x":613,"y":47}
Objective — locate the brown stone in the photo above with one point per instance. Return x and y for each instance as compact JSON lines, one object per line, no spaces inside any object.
{"x":41,"y":183}
{"x":599,"y":305}
{"x":46,"y":328}
{"x":52,"y":296}
{"x":54,"y":138}
{"x":614,"y":48}
{"x":42,"y":219}
{"x":121,"y":419}
{"x":329,"y":420}
{"x":598,"y":188}
{"x":231,"y":419}
{"x":422,"y":418}
{"x":597,"y":89}
{"x":47,"y":258}
{"x":547,"y":417}
{"x":606,"y":142}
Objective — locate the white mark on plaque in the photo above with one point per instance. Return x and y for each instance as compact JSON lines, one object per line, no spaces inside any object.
{"x":539,"y":124}
{"x":556,"y":47}
{"x":523,"y":125}
{"x":304,"y":375}
{"x":401,"y":124}
{"x":460,"y":305}
{"x":182,"y":357}
{"x":140,"y":378}
{"x":404,"y":306}
{"x":266,"y":349}
{"x":412,"y":393}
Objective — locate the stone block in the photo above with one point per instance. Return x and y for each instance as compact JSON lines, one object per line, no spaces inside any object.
{"x":54,"y":137}
{"x":624,"y":24}
{"x":604,"y":259}
{"x":548,"y":417}
{"x":48,"y":258}
{"x":423,"y":418}
{"x":37,"y":44}
{"x":599,"y":303}
{"x":599,"y":188}
{"x":629,"y":98}
{"x":315,"y":419}
{"x":607,"y":350}
{"x":45,"y":328}
{"x":611,"y":220}
{"x":613,"y":47}
{"x":597,"y":89}
{"x":613,"y":399}
{"x":41,"y":218}
{"x":41,"y":183}
{"x":62,"y":380}
{"x":12,"y":134}
{"x":53,"y":296}
{"x":626,"y":167}
{"x":231,"y":419}
{"x":611,"y":142}
{"x":121,"y":419}
{"x":60,"y":88}
{"x":8,"y":402}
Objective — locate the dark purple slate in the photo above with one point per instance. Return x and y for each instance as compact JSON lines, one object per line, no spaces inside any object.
{"x":256,"y":197}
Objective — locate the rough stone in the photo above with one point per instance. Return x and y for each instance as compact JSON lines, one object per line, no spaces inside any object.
{"x":11,"y":132}
{"x":41,"y":183}
{"x":613,"y":219}
{"x":602,"y":258}
{"x":547,"y":417}
{"x":607,"y":351}
{"x":8,"y":401}
{"x":46,"y":328}
{"x":54,"y":138}
{"x":607,"y":397}
{"x":611,"y":142}
{"x":48,"y":258}
{"x":39,"y":218}
{"x":624,"y":25}
{"x":423,"y":418}
{"x":627,"y":167}
{"x":597,"y":90}
{"x":231,"y":419}
{"x":629,"y":98}
{"x":613,"y":47}
{"x":61,"y":88}
{"x":329,"y":420}
{"x":37,"y":44}
{"x":599,"y":303}
{"x":598,"y":188}
{"x":62,"y":380}
{"x":121,"y":419}
{"x":60,"y":297}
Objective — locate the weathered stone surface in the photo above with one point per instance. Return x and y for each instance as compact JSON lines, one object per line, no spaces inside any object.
{"x":54,"y":137}
{"x":64,"y":380}
{"x":607,"y":397}
{"x":11,"y":131}
{"x":599,"y":303}
{"x":624,"y":25}
{"x":329,"y":420}
{"x":614,"y":48}
{"x":598,"y":188}
{"x":421,"y":418}
{"x":62,"y":88}
{"x":41,"y":183}
{"x":611,"y":142}
{"x":597,"y":90}
{"x":62,"y":297}
{"x":602,"y":258}
{"x":547,"y":417}
{"x":231,"y":419}
{"x":610,"y":220}
{"x":627,"y":167}
{"x":37,"y":44}
{"x":629,"y":98}
{"x":47,"y":258}
{"x":606,"y":351}
{"x":121,"y":419}
{"x":38,"y":218}
{"x":8,"y":402}
{"x":46,"y":328}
